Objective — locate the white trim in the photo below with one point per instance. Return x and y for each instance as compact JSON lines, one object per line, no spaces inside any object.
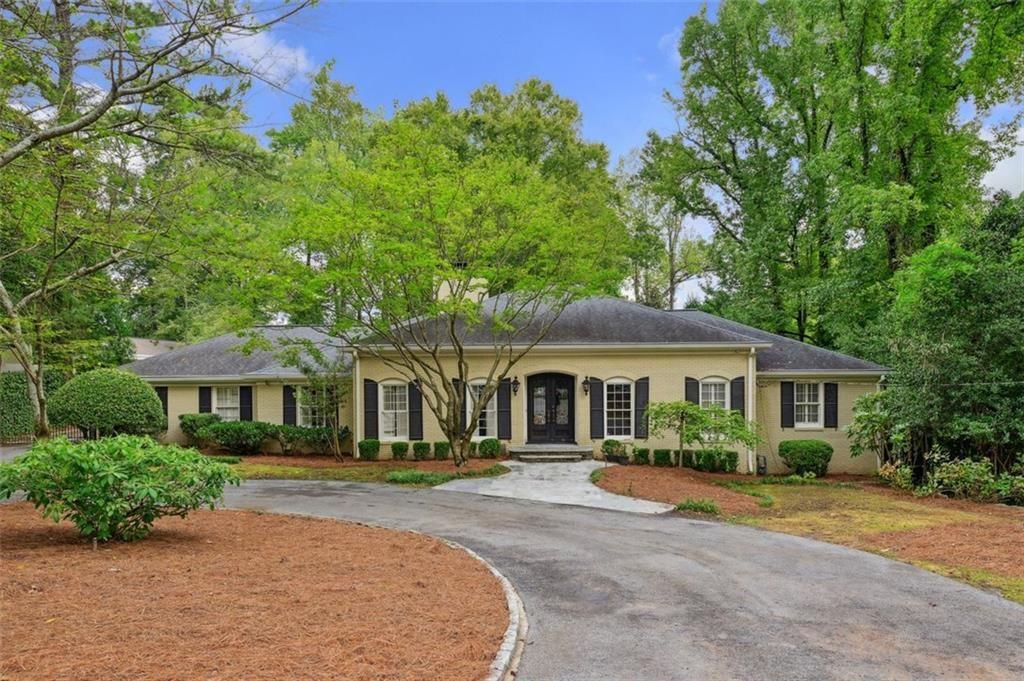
{"x":357,"y":405}
{"x":717,"y":380}
{"x":824,"y":373}
{"x":243,"y":379}
{"x":750,"y":399}
{"x":621,"y":380}
{"x":491,"y":406}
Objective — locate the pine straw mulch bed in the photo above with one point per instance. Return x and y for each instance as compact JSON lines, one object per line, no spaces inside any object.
{"x":243,"y":595}
{"x":981,"y":543}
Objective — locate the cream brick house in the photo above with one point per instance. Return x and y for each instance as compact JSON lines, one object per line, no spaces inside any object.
{"x":591,"y":377}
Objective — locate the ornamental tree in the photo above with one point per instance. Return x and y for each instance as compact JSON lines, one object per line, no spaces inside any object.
{"x":708,"y":427}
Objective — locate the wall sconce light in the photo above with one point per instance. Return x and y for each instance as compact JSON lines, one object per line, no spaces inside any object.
{"x":515,"y":385}
{"x":586,"y":385}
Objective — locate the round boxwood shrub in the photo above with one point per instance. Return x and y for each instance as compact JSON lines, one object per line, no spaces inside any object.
{"x":442,"y":450}
{"x":421,"y":451}
{"x":369,"y":449}
{"x":114,"y":488}
{"x":108,"y":402}
{"x":806,"y":456}
{"x":399,"y":450}
{"x":489,"y":448}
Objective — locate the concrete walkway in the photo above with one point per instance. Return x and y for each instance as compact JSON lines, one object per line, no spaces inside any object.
{"x":8,"y":452}
{"x":632,"y":597}
{"x":556,"y":483}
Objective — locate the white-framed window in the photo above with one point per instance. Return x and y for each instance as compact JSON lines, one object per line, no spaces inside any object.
{"x":311,"y":407}
{"x":394,"y":411}
{"x":714,"y":392}
{"x":226,"y":402}
{"x":807,"y":405}
{"x":487,"y":424}
{"x":618,"y":408}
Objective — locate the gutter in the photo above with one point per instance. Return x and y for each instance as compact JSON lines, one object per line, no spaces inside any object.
{"x":796,"y":373}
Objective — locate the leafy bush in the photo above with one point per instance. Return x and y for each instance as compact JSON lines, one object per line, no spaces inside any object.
{"x":16,"y":416}
{"x":596,"y":475}
{"x":662,"y":457}
{"x":321,"y":439}
{"x":490,"y":448}
{"x":289,"y":437}
{"x":963,"y":479}
{"x":897,"y":475}
{"x":473,"y":449}
{"x":399,"y":450}
{"x":191,"y":424}
{"x":1009,"y":489}
{"x":642,"y":456}
{"x":611,"y":447}
{"x":238,"y":437}
{"x":224,"y":458}
{"x":804,"y":456}
{"x":442,"y":450}
{"x":115,"y":488}
{"x":699,"y":506}
{"x":369,"y":449}
{"x":688,"y":458}
{"x":421,"y":451}
{"x":108,"y":402}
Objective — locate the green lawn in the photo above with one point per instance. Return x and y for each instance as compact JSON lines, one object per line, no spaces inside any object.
{"x":375,"y":473}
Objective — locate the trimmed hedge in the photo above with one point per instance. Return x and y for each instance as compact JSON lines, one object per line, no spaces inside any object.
{"x":806,"y":456}
{"x":642,"y":456}
{"x":442,"y":450}
{"x":16,"y":412}
{"x":490,"y":448}
{"x":369,"y":449}
{"x":399,"y":450}
{"x":108,"y":402}
{"x":191,"y":424}
{"x":711,"y":460}
{"x":238,"y":437}
{"x":662,"y":457}
{"x":421,"y":451}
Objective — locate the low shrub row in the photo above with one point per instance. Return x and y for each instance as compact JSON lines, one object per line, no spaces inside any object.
{"x":711,"y":460}
{"x":369,"y":450}
{"x":251,"y":437}
{"x":973,"y":479}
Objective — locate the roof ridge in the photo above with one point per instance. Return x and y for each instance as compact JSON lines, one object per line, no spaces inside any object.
{"x":670,"y":314}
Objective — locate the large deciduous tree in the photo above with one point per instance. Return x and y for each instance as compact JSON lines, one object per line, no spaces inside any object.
{"x":831,"y":141}
{"x":450,"y":224}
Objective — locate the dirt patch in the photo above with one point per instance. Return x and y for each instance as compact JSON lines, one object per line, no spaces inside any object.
{"x":673,"y":485}
{"x":232,"y":594}
{"x":983,"y":545}
{"x":446,"y":466}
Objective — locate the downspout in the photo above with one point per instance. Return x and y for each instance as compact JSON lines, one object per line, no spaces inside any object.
{"x":357,"y":405}
{"x":751,"y":405}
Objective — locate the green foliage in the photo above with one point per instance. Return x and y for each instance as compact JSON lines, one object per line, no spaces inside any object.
{"x":596,"y":475}
{"x":662,"y":457}
{"x":16,"y":414}
{"x":108,"y":402}
{"x":399,"y":450}
{"x":432,"y":478}
{"x":289,"y":438}
{"x":421,"y":451}
{"x":897,"y":475}
{"x":224,"y":458}
{"x":442,"y":450}
{"x":962,"y":479}
{"x":611,"y":447}
{"x":711,"y":460}
{"x":369,"y":449}
{"x":322,"y":439}
{"x":191,"y":424}
{"x":490,"y":448}
{"x":642,"y":456}
{"x":238,"y":437}
{"x":705,"y":426}
{"x":114,"y":488}
{"x":699,"y":506}
{"x":806,"y":456}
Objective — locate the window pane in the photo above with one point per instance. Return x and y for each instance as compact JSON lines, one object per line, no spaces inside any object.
{"x":394,"y":415}
{"x":619,"y":409}
{"x":487,"y":424}
{"x":712,"y":393}
{"x":226,"y":401}
{"x":806,"y":403}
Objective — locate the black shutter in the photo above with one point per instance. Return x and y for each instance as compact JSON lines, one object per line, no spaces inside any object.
{"x":788,"y":408}
{"x":831,"y":405}
{"x":737,"y":395}
{"x":205,"y":400}
{"x":692,"y":390}
{"x":415,"y":412}
{"x":505,"y":409}
{"x":596,"y":409}
{"x":161,"y":392}
{"x":642,"y":390}
{"x":370,"y":429}
{"x":461,"y":388}
{"x":245,"y":403}
{"x":290,"y":409}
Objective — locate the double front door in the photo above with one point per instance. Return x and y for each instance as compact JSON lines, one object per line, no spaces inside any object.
{"x":551,"y":409}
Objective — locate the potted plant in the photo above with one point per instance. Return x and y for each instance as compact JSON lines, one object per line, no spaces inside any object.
{"x":615,"y":452}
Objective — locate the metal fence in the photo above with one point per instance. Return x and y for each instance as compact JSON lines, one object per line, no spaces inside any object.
{"x":70,"y":432}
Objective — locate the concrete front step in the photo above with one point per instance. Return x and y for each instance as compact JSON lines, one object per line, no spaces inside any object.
{"x":551,"y":453}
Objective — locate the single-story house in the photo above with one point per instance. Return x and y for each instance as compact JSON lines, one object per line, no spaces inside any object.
{"x":591,"y":378}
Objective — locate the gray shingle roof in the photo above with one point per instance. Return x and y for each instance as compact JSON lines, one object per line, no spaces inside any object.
{"x":602,"y":320}
{"x":221,"y":356}
{"x":785,"y":354}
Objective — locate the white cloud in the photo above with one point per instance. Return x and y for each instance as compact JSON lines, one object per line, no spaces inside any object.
{"x":668,"y":44}
{"x":1008,"y":174}
{"x":269,"y":57}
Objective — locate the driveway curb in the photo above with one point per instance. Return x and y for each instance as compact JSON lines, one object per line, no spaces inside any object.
{"x":510,"y":652}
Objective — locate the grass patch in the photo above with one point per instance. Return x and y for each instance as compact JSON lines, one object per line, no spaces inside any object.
{"x":764,"y":500}
{"x":411,"y":476}
{"x":596,"y":475}
{"x":1009,"y":587}
{"x":699,"y":506}
{"x":224,"y":458}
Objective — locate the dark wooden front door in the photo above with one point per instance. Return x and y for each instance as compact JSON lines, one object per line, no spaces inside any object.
{"x":552,"y":408}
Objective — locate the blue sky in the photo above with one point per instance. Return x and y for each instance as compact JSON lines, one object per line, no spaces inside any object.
{"x":614,"y":59}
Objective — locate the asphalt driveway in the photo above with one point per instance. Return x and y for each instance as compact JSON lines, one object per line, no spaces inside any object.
{"x":616,"y":596}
